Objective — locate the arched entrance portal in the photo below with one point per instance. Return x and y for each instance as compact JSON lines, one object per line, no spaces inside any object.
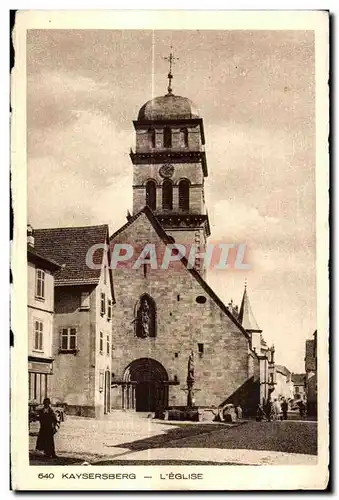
{"x":146,"y":385}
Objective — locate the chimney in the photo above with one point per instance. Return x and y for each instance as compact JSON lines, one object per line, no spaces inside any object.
{"x":30,"y":237}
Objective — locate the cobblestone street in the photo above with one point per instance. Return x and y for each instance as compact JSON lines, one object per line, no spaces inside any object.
{"x":132,"y":439}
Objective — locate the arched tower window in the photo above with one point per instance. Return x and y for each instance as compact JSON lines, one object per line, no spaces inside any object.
{"x":151,"y":194}
{"x":167,"y":195}
{"x":151,"y":137}
{"x":167,"y":137}
{"x":184,"y":137}
{"x":184,"y":195}
{"x":145,"y":317}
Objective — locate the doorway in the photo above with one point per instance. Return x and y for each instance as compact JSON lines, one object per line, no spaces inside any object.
{"x":150,"y":380}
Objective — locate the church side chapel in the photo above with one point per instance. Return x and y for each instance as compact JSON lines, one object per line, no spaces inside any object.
{"x":175,"y":343}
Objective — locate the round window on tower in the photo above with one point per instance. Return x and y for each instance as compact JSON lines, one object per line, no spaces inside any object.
{"x":201,"y":299}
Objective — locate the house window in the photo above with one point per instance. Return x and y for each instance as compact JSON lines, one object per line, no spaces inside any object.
{"x":101,"y":380}
{"x":151,"y":137}
{"x":103,"y":304}
{"x":101,"y":343}
{"x":184,"y":195}
{"x":84,"y":301}
{"x":151,"y":194}
{"x":40,"y":284}
{"x":68,"y":339}
{"x":38,"y":335}
{"x":184,"y":137}
{"x":167,"y":195}
{"x":105,"y":275}
{"x":167,"y":137}
{"x":297,"y":390}
{"x":201,"y":349}
{"x":107,"y":344}
{"x":109,"y":309}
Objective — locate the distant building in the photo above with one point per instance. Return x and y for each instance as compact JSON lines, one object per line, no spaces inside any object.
{"x":40,"y":277}
{"x":311,"y":375}
{"x":284,"y":386}
{"x":82,"y":341}
{"x":259,"y":346}
{"x":299,"y":393}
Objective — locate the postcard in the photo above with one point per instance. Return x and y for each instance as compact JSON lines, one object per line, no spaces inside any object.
{"x":170,"y":177}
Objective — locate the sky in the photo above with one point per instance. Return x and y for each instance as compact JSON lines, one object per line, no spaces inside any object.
{"x":256,"y":94}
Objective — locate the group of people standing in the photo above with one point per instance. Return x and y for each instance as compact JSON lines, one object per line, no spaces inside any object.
{"x":273,"y":410}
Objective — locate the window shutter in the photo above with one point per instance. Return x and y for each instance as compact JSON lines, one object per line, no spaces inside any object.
{"x":84,"y":304}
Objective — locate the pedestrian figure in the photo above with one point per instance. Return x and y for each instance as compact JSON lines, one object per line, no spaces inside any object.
{"x":276,"y":409}
{"x":302,"y":409}
{"x":238,"y":412}
{"x":269,"y":410}
{"x":284,"y":408}
{"x":48,"y":427}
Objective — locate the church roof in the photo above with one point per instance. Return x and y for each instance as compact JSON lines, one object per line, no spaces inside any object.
{"x":69,"y":247}
{"x":246,"y":317}
{"x":168,"y":107}
{"x":168,"y":240}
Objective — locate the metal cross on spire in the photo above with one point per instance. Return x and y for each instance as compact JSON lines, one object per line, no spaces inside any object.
{"x":171,"y":59}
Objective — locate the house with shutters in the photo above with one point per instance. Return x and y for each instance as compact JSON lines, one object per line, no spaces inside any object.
{"x":40,"y":280}
{"x":82,"y":334}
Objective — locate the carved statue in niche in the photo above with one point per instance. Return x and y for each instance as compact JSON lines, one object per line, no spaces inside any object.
{"x":146,"y":318}
{"x":190,"y":367}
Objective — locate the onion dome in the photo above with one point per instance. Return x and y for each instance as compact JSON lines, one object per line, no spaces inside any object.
{"x":168,"y":107}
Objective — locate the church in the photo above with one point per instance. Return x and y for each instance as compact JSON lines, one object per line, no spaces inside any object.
{"x":168,"y":320}
{"x":149,"y":338}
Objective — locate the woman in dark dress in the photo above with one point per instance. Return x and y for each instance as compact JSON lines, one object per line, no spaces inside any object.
{"x":48,"y":426}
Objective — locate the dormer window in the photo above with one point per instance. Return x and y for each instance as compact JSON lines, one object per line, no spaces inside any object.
{"x":167,"y":137}
{"x":151,"y":195}
{"x":167,"y":195}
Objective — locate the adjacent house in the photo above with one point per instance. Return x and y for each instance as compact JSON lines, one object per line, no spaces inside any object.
{"x":40,"y":270}
{"x":284,"y":386}
{"x":299,"y":392}
{"x":84,"y":298}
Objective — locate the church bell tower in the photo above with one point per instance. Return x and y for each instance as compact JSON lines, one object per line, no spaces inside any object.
{"x":169,"y":167}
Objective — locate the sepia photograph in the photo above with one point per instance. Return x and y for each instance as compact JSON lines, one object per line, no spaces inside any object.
{"x":170,"y":228}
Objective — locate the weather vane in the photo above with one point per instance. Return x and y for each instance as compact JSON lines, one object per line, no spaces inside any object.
{"x":171,"y":59}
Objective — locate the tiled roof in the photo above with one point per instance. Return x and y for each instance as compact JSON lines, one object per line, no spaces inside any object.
{"x":69,"y":247}
{"x":246,"y":316}
{"x":35,"y":256}
{"x":298,"y":378}
{"x":167,"y":240}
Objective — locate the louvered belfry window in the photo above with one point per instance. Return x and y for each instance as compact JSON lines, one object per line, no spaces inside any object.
{"x":151,"y":195}
{"x":184,"y":195}
{"x":167,"y":195}
{"x":167,"y":137}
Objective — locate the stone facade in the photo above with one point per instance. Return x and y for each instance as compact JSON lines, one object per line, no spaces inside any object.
{"x":220,"y":347}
